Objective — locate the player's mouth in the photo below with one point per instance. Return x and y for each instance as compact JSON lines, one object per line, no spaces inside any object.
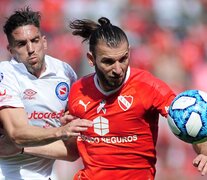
{"x":33,"y":60}
{"x":117,"y":78}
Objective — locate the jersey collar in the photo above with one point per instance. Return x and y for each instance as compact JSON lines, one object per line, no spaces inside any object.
{"x":49,"y":68}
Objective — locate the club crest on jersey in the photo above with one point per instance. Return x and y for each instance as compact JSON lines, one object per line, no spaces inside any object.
{"x":1,"y":76}
{"x":125,"y":102}
{"x":62,"y":91}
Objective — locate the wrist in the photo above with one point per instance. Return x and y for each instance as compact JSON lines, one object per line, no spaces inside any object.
{"x":61,"y":134}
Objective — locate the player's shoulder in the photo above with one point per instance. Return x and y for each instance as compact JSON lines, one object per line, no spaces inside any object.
{"x":54,"y":61}
{"x":141,"y":74}
{"x":145,"y":78}
{"x":6,"y":66}
{"x":84,"y":85}
{"x":87,"y":78}
{"x":9,"y":72}
{"x":60,"y":66}
{"x":85,"y":81}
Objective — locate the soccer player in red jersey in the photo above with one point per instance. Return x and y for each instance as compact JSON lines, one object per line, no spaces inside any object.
{"x":124,"y":104}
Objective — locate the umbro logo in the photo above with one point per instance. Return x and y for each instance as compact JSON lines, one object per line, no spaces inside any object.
{"x":29,"y":94}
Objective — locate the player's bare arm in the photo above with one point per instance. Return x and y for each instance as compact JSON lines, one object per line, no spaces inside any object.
{"x":15,"y":123}
{"x":201,"y":159}
{"x":61,"y":150}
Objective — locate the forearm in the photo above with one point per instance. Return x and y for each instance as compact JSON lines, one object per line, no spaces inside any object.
{"x":57,"y":150}
{"x":15,"y":124}
{"x":200,"y":148}
{"x":35,"y":136}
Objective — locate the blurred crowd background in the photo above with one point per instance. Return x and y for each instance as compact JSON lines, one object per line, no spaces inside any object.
{"x":167,"y":37}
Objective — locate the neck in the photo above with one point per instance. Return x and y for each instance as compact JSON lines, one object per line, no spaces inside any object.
{"x":38,"y":74}
{"x":101,"y":86}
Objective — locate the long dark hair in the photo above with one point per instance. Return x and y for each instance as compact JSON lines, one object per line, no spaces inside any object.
{"x":94,"y":32}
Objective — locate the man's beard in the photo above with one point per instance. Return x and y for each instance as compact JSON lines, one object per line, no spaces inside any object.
{"x":35,"y":68}
{"x":108,"y":85}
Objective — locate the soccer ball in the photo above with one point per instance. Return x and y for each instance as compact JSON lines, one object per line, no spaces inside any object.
{"x":187,"y":116}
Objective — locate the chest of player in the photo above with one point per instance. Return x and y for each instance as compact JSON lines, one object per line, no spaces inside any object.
{"x":45,"y":99}
{"x":121,"y":113}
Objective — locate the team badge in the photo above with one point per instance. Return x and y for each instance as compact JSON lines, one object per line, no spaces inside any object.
{"x":125,"y":102}
{"x":1,"y":76}
{"x":62,"y":91}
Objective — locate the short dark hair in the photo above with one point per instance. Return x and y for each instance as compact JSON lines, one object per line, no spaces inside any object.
{"x":24,"y":16}
{"x":93,"y":32}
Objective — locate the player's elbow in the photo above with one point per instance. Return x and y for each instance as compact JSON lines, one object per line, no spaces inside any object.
{"x":18,"y":140}
{"x":68,"y":157}
{"x":73,"y":158}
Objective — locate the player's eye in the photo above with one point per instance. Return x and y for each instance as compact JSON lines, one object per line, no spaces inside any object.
{"x":21,"y":44}
{"x":35,"y":40}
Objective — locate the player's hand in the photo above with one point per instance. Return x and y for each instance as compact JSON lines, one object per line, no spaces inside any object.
{"x":8,"y":148}
{"x":74,"y":126}
{"x":201,"y":163}
{"x":67,"y":118}
{"x":66,"y":113}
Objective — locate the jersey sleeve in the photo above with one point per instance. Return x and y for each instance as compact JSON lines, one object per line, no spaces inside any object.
{"x":70,"y":73}
{"x":157,"y":94}
{"x":9,"y":87}
{"x":164,"y":97}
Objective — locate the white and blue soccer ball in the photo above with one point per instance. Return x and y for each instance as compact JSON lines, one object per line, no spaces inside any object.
{"x":187,"y":116}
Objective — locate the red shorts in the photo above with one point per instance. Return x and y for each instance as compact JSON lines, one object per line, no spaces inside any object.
{"x":125,"y":174}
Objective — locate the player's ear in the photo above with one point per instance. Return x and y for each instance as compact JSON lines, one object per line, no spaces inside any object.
{"x":90,"y":59}
{"x":44,"y":42}
{"x":9,"y":48}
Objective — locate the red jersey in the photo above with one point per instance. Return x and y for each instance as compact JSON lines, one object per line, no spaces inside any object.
{"x":123,"y":138}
